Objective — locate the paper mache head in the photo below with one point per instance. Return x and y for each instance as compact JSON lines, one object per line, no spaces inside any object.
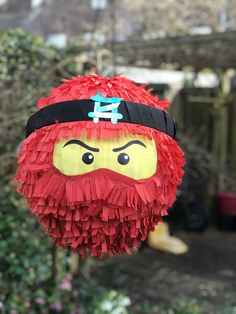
{"x":100,"y":164}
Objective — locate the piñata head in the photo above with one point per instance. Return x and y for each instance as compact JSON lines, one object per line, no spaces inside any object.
{"x":100,"y":165}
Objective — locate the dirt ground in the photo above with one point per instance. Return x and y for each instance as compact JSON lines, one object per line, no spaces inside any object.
{"x":206,"y":273}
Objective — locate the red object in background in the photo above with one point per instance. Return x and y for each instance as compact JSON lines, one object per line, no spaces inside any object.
{"x":226,"y":202}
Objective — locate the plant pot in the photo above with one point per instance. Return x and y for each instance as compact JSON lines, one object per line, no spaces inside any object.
{"x":226,"y":206}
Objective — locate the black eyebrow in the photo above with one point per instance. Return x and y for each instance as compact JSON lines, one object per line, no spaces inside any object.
{"x":78,"y":142}
{"x":128,"y":144}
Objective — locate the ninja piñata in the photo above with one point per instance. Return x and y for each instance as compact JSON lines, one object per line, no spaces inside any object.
{"x":100,"y":165}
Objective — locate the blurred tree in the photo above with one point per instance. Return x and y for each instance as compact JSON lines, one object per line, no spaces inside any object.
{"x":171,"y":18}
{"x":23,"y":57}
{"x":28,"y":69}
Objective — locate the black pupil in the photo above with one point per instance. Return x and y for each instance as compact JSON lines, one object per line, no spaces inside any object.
{"x":123,"y":159}
{"x":87,"y":158}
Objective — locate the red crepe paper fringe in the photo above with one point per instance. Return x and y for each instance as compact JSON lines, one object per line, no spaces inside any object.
{"x":102,"y":211}
{"x":83,"y":87}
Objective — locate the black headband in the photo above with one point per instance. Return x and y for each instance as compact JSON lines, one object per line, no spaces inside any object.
{"x":78,"y":110}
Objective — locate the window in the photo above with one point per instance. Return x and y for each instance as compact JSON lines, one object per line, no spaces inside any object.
{"x":2,"y":2}
{"x":36,"y":3}
{"x":58,"y":40}
{"x":98,"y":4}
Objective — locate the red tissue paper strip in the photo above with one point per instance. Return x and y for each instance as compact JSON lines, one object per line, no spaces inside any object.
{"x":101,"y":211}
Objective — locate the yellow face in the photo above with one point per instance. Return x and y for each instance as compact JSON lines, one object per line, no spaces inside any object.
{"x":131,"y":155}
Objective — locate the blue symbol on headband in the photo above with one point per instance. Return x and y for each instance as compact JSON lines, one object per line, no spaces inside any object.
{"x":108,"y":111}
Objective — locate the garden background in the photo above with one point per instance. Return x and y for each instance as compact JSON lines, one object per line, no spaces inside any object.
{"x":35,"y":277}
